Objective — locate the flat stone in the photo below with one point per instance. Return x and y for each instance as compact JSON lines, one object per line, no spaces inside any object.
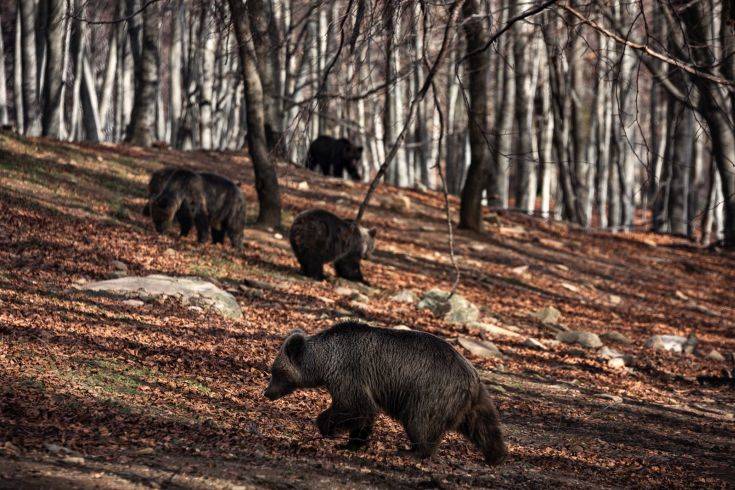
{"x":494,"y":329}
{"x":405,"y":296}
{"x":616,"y":363}
{"x":548,"y":314}
{"x":303,"y":186}
{"x":401,"y":327}
{"x":534,"y":344}
{"x":480,"y":348}
{"x":519,"y":271}
{"x":615,"y":299}
{"x":615,"y":338}
{"x":585,"y":339}
{"x":477,"y":247}
{"x":188,"y":290}
{"x":133,"y":302}
{"x":456,"y":309}
{"x":607,"y":353}
{"x":672,"y":343}
{"x":714,"y":355}
{"x":612,"y":398}
{"x":570,"y":287}
{"x":118,"y":265}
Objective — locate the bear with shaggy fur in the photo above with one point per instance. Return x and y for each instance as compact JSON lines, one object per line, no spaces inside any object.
{"x":156,"y":183}
{"x":334,"y":156}
{"x":414,"y":377}
{"x":318,"y":236}
{"x":214,"y":203}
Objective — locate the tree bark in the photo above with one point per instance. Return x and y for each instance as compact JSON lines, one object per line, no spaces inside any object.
{"x":32,"y":113}
{"x":18,"y":75}
{"x":3,"y":81}
{"x":266,"y":180}
{"x":206,"y":92}
{"x":140,"y":131}
{"x":54,"y":66}
{"x":478,"y":67}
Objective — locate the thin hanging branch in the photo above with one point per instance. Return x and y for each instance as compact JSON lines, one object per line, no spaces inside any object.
{"x":114,"y":21}
{"x":454,"y":12}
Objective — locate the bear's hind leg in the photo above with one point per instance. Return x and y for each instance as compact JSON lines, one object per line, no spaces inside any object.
{"x":218,"y":236}
{"x":425,"y":438}
{"x":202,"y":224}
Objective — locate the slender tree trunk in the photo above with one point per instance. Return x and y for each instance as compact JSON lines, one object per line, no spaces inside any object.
{"x":141,"y":128}
{"x":52,"y":116}
{"x":546,"y":132}
{"x":478,"y":66}
{"x":18,"y":75}
{"x":32,"y":113}
{"x":176,"y":53}
{"x":108,"y":85}
{"x":266,"y":180}
{"x":206,"y":93}
{"x":3,"y":81}
{"x":498,"y":176}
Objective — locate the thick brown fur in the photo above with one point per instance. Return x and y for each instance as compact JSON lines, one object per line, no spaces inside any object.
{"x":318,"y":237}
{"x":414,"y":377}
{"x":335,"y":156}
{"x":214,"y":204}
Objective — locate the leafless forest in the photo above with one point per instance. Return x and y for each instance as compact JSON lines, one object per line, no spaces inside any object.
{"x":612,"y":115}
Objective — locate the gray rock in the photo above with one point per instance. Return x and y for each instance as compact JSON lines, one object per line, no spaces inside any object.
{"x":133,"y":302}
{"x":547,"y":315}
{"x":585,"y":339}
{"x":169,"y":252}
{"x":615,"y":299}
{"x":615,"y":338}
{"x":480,"y":348}
{"x":401,"y":327}
{"x":714,"y":355}
{"x":120,"y":266}
{"x":616,"y":363}
{"x":188,"y":290}
{"x":454,"y":310}
{"x":612,"y":398}
{"x":494,"y":329}
{"x":405,"y":296}
{"x":477,"y":247}
{"x":672,"y":343}
{"x":534,"y":344}
{"x":303,"y":186}
{"x":607,"y":353}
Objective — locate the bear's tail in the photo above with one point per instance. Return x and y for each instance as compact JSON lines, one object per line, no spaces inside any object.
{"x":481,"y":425}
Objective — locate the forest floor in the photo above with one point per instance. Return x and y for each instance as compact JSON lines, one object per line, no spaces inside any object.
{"x":96,"y":393}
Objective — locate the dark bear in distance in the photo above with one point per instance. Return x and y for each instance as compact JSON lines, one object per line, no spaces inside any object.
{"x":318,"y":236}
{"x":214,"y":202}
{"x":414,"y":377}
{"x":158,"y":179}
{"x":334,"y":156}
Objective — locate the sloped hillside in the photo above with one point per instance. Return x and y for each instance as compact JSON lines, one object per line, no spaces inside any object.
{"x":98,"y":392}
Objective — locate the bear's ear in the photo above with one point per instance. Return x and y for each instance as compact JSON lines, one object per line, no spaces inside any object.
{"x":294,"y":346}
{"x":372,"y":232}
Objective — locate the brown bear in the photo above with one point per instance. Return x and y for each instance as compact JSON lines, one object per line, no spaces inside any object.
{"x":214,"y":202}
{"x":318,"y":236}
{"x":334,"y":156}
{"x":183,"y":216}
{"x":414,"y":377}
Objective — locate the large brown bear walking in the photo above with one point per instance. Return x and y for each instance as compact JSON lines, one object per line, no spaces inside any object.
{"x":414,"y":377}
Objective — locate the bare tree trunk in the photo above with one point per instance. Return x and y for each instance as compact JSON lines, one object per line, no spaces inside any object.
{"x":525,"y":184}
{"x":108,"y":85}
{"x":266,"y":180}
{"x":498,"y":176}
{"x":176,"y":53}
{"x":478,"y":65}
{"x":697,"y":183}
{"x":52,"y":116}
{"x":18,"y":75}
{"x":140,"y":130}
{"x":206,"y":94}
{"x":3,"y":80}
{"x":32,"y":114}
{"x":546,"y":132}
{"x":90,"y":107}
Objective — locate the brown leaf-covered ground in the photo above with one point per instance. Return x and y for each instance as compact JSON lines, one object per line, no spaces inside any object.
{"x":160,"y":395}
